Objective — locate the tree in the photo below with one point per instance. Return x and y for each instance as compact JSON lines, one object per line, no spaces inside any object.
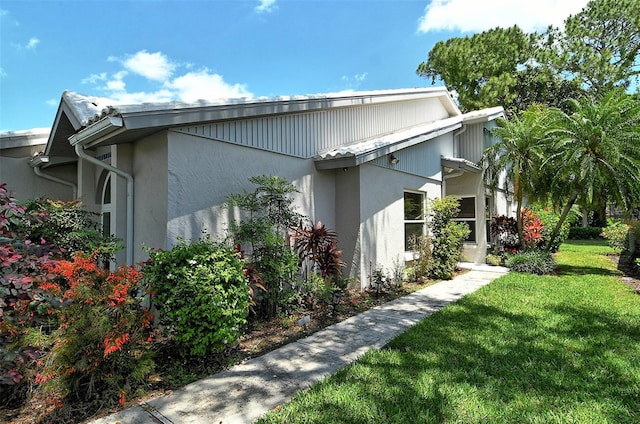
{"x":515,"y":159}
{"x":595,"y":146}
{"x":602,"y":44}
{"x":479,"y":68}
{"x":598,"y":50}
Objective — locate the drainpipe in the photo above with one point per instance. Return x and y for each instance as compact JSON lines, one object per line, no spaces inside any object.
{"x":38,"y":161}
{"x":93,"y":133}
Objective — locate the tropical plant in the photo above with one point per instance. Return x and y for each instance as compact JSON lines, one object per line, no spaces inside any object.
{"x":318,"y":245}
{"x":201,"y":293}
{"x":264,"y":234}
{"x":594,"y":146}
{"x":535,"y":261}
{"x":504,"y":232}
{"x":514,"y":160}
{"x":549,"y":218}
{"x":532,"y":229}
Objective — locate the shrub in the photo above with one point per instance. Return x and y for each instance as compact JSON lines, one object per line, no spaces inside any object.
{"x":494,"y":260}
{"x":549,"y":219}
{"x":448,"y":237}
{"x":101,"y":350}
{"x":23,"y":304}
{"x":264,"y":232}
{"x":68,"y":227}
{"x":504,"y":231}
{"x":422,"y":257}
{"x":616,"y":233}
{"x":532,"y":261}
{"x":532,"y":229}
{"x":201,"y":293}
{"x":585,"y":233}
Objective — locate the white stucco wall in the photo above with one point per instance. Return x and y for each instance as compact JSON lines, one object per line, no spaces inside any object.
{"x":382,"y":215}
{"x":203,"y":172}
{"x":151,"y":194}
{"x":20,"y":178}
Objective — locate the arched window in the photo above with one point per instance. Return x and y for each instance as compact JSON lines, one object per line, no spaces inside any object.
{"x":105,"y":210}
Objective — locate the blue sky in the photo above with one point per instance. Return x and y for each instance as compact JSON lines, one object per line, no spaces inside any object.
{"x":154,"y":50}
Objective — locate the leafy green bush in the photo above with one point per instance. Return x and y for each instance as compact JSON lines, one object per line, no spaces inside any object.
{"x":585,"y":233}
{"x":201,"y":293}
{"x":447,"y":237}
{"x":616,"y":233}
{"x":68,"y":227}
{"x":532,"y":261}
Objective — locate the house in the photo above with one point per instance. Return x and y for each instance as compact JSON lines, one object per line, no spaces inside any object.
{"x":365,"y":163}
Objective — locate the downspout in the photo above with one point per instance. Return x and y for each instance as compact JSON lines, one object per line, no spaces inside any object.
{"x":129,"y":240}
{"x":89,"y":134}
{"x":38,"y":161}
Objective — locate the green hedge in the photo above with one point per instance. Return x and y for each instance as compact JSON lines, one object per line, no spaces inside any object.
{"x":585,"y":233}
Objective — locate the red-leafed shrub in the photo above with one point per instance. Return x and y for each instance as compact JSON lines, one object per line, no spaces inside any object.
{"x":101,"y":349}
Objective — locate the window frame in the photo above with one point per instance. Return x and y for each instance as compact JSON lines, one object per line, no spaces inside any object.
{"x":422,"y":222}
{"x":470,"y":221}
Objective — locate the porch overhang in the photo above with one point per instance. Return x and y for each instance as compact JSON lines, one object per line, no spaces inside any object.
{"x":460,"y":165}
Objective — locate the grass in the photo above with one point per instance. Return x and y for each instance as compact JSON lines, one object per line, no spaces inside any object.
{"x":525,"y":349}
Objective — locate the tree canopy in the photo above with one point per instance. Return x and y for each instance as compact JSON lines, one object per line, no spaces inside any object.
{"x":599,"y":49}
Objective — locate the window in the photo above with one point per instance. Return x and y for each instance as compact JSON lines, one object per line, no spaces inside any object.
{"x":414,"y":216}
{"x":467,"y":215}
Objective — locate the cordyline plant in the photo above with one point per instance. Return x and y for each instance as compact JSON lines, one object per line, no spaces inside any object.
{"x":318,"y":246}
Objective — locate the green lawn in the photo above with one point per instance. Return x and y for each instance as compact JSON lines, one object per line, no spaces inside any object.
{"x":525,"y":349}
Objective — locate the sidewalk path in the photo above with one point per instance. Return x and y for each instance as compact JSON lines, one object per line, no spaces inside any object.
{"x":245,"y":392}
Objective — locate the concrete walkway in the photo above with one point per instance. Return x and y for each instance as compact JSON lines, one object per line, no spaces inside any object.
{"x":247,"y":391}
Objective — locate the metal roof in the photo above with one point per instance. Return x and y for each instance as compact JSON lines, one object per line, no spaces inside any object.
{"x":365,"y":151}
{"x":483,"y":115}
{"x":79,"y":115}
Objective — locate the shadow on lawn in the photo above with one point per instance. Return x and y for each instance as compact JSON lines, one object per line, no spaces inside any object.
{"x":476,"y":363}
{"x":572,"y":270}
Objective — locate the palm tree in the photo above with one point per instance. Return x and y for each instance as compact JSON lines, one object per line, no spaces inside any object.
{"x":514,"y":161}
{"x":596,"y":146}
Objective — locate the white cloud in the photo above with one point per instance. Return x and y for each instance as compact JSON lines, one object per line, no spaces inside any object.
{"x":33,"y":42}
{"x":2,"y":73}
{"x":94,"y":78}
{"x":158,"y":70}
{"x":353,"y":82}
{"x":478,"y":16}
{"x":154,"y":66}
{"x":52,"y":102}
{"x":3,"y":12}
{"x":203,"y":85}
{"x":266,"y":6}
{"x":30,"y":45}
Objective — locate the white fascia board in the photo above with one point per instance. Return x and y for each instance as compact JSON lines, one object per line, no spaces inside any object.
{"x":95,"y":133}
